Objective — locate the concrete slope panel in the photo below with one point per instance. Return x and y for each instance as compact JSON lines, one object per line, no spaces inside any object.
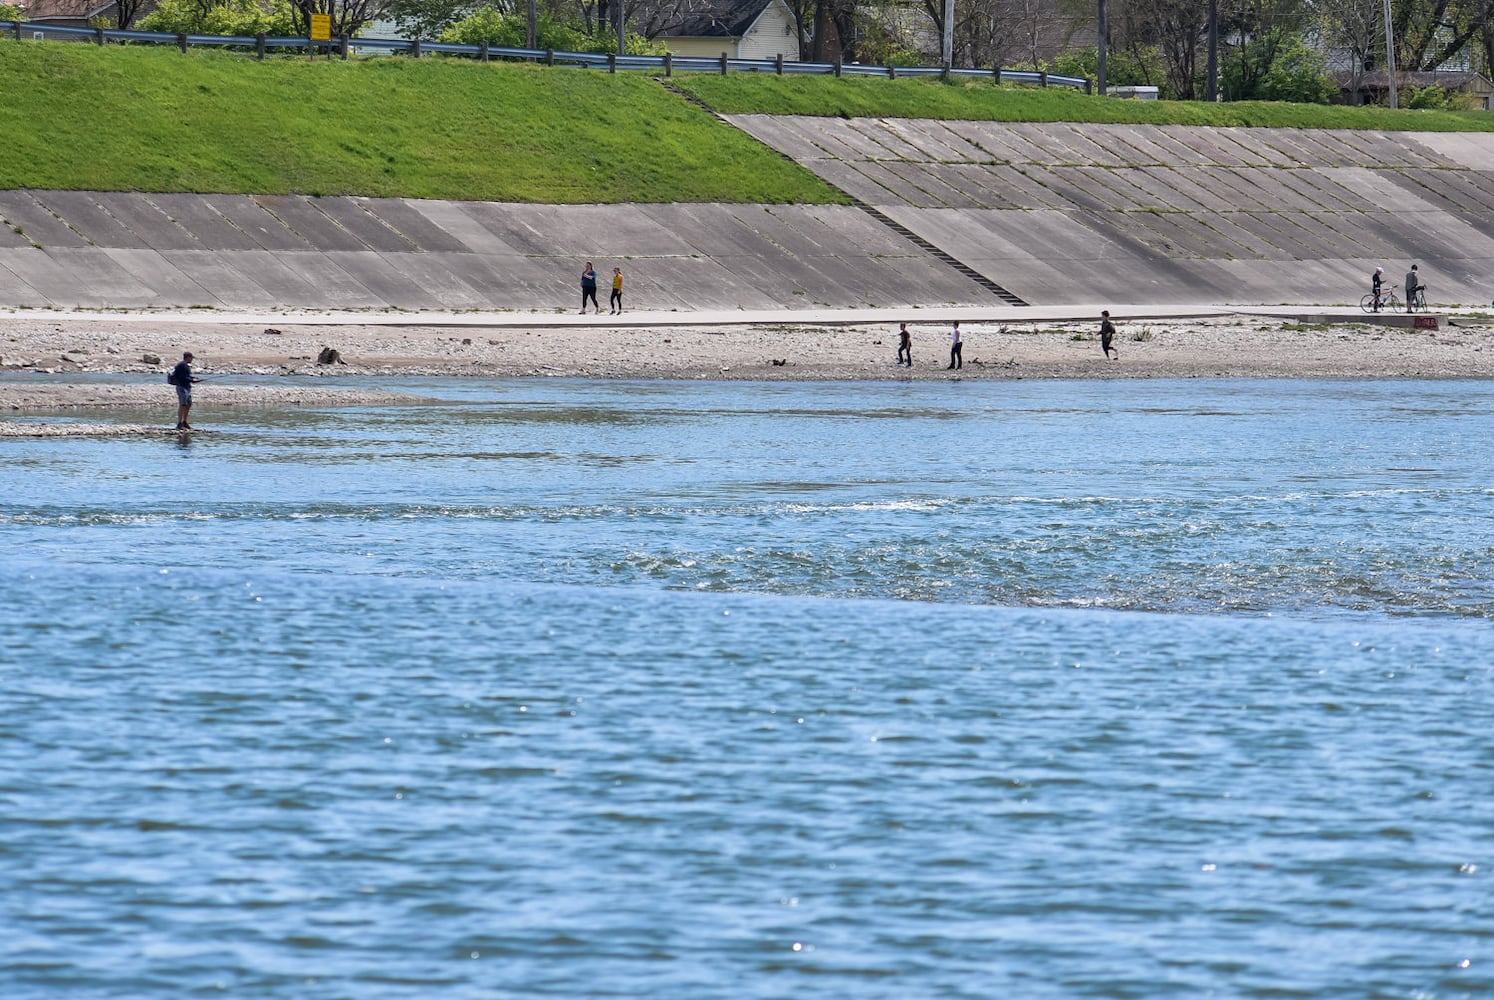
{"x":203,"y":222}
{"x":268,"y":232}
{"x":83,"y":213}
{"x":430,"y":272}
{"x":335,"y":288}
{"x":404,"y":217}
{"x":20,"y":211}
{"x":14,"y":289}
{"x":458,"y":221}
{"x":303,"y":216}
{"x":142,"y":217}
{"x":350,"y":214}
{"x":220,"y":274}
{"x":172,"y":287}
{"x":89,"y":278}
{"x":291,"y":286}
{"x":1467,"y":149}
{"x":392,"y":286}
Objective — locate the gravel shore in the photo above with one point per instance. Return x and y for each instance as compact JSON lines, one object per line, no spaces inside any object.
{"x":40,"y":358}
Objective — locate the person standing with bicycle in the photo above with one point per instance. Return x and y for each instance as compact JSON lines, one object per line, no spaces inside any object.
{"x":1414,"y":288}
{"x":1375,"y":280}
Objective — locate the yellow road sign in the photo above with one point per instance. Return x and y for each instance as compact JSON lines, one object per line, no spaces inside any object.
{"x":321,"y":27}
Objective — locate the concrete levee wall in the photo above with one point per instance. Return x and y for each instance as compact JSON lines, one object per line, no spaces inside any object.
{"x":1061,"y":213}
{"x":1055,"y":214}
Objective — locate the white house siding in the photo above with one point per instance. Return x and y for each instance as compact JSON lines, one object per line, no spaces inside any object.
{"x":772,"y":34}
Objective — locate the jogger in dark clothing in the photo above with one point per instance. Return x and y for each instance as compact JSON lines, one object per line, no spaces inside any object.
{"x":1107,"y":335}
{"x":904,"y":345}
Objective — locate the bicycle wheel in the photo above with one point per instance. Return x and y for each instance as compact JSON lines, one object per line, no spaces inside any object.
{"x":1391,"y":303}
{"x":1368,"y":302}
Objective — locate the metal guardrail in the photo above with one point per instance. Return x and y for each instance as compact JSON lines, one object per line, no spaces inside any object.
{"x":668,"y":64}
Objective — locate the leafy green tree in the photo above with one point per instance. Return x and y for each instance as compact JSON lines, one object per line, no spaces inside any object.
{"x":1140,"y":66}
{"x":428,"y":18}
{"x":228,"y":17}
{"x":1298,"y":74}
{"x":10,"y":12}
{"x":512,"y":30}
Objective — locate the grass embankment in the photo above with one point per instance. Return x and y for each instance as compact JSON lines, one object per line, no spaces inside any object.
{"x":124,"y":118}
{"x":975,"y":100}
{"x":144,"y":118}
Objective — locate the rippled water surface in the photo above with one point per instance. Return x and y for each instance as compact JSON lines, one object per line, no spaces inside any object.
{"x":1120,"y":689}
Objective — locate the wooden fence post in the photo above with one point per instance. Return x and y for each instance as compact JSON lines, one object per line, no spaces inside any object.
{"x":723,"y":64}
{"x":996,"y":72}
{"x":550,"y":57}
{"x":342,"y":46}
{"x":483,"y":50}
{"x":892,"y":72}
{"x":98,"y":35}
{"x":778,"y":63}
{"x":668,"y":63}
{"x":259,"y":46}
{"x":837,"y":66}
{"x":1043,"y":77}
{"x":415,"y":48}
{"x":612,"y":62}
{"x":181,"y":41}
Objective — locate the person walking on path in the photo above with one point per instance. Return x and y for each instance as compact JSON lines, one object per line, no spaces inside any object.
{"x":589,"y":287}
{"x":1107,"y":336}
{"x":1375,"y":282}
{"x":1413,"y":285}
{"x":617,"y":293}
{"x":182,"y":377}
{"x":956,"y":348}
{"x":904,"y":345}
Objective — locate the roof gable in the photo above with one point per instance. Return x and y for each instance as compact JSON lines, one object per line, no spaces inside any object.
{"x":719,"y":19}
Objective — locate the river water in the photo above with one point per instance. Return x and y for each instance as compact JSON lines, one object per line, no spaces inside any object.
{"x":722,"y":690}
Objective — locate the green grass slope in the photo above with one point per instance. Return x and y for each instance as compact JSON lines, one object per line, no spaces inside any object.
{"x":975,"y":100}
{"x":140,"y":118}
{"x":148,"y":118}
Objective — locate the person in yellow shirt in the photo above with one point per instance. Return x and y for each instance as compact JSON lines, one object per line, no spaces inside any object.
{"x":617,"y":292}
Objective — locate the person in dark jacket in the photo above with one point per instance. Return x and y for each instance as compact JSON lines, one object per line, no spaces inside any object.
{"x":1107,"y":336}
{"x":182,"y":378}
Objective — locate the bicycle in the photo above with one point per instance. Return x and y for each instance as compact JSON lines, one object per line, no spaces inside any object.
{"x":1389,"y":302}
{"x":1418,"y":302}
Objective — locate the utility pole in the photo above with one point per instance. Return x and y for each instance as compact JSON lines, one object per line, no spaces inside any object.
{"x":1102,"y":47}
{"x":948,"y":34}
{"x":622,"y":37}
{"x":1390,"y":57}
{"x":531,"y":40}
{"x":1212,"y":92}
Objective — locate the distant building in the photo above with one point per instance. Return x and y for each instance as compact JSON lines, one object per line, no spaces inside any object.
{"x":743,"y":29}
{"x":1371,"y":87}
{"x":74,"y":13}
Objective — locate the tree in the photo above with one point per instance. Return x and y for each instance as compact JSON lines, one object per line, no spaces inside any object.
{"x":1175,"y":28}
{"x":348,"y":16}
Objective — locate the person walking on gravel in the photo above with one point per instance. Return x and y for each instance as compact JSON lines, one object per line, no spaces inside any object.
{"x":589,"y":287}
{"x":1107,"y":336}
{"x":956,"y":349}
{"x":904,"y":345}
{"x":615,"y":303}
